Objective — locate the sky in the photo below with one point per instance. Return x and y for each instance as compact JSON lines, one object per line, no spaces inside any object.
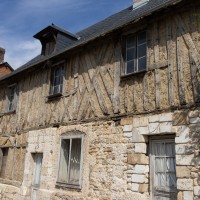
{"x":21,"y":19}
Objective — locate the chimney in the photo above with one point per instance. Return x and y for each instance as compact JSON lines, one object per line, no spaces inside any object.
{"x":2,"y":52}
{"x":139,"y":3}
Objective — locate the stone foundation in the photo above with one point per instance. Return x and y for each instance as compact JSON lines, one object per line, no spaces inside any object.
{"x":116,"y":162}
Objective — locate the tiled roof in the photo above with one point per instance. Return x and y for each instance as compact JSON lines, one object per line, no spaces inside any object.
{"x":101,"y":28}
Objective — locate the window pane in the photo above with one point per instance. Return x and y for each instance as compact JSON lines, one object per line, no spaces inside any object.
{"x":170,"y":149}
{"x":160,"y":164}
{"x":170,"y":164}
{"x":142,"y":64}
{"x":56,"y":90}
{"x":75,"y":161}
{"x":57,"y":71}
{"x":56,"y":80}
{"x":38,"y":166}
{"x":130,"y":67}
{"x":160,"y":180}
{"x":64,"y":161}
{"x":130,"y":42}
{"x":142,"y":50}
{"x":170,"y":180}
{"x":130,"y":54}
{"x":141,"y":37}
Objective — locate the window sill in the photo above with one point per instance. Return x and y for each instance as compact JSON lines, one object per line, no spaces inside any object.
{"x":68,"y":186}
{"x":133,"y":74}
{"x":54,"y":96}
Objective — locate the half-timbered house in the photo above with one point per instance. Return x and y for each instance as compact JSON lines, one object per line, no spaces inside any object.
{"x":109,"y":113}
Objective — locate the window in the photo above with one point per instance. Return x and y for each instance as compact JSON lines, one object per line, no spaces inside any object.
{"x":57,"y":80}
{"x":49,"y":48}
{"x":70,"y":161}
{"x":12,"y":97}
{"x":135,"y":53}
{"x":3,"y":160}
{"x":163,"y":169}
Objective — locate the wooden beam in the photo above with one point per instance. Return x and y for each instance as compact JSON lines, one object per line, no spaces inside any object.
{"x":195,"y":82}
{"x":156,"y":60}
{"x":116,"y":99}
{"x":180,"y":73}
{"x":170,"y":54}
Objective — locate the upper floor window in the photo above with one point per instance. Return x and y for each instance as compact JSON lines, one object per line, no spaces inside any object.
{"x":49,"y":47}
{"x":12,"y":97}
{"x":57,"y":80}
{"x":69,"y":171}
{"x":136,"y":53}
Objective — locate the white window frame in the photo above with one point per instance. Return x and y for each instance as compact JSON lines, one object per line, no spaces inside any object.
{"x":70,"y":137}
{"x":135,"y":60}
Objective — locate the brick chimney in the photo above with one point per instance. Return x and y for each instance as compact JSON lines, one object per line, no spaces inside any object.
{"x":139,"y":3}
{"x":2,"y":53}
{"x":5,"y":68}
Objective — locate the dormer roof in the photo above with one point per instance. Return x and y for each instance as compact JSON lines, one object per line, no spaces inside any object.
{"x":55,"y":30}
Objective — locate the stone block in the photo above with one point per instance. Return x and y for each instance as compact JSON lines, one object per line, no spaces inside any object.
{"x":188,"y":195}
{"x":182,"y":149}
{"x":195,"y":120}
{"x":166,"y":127}
{"x":136,"y":122}
{"x":138,"y":178}
{"x":197,"y":191}
{"x":141,"y":169}
{"x":126,"y":121}
{"x":185,"y":160}
{"x":166,"y":117}
{"x":143,"y":188}
{"x":143,"y":121}
{"x":135,"y":187}
{"x":183,"y":134}
{"x":138,"y":137}
{"x":185,"y":184}
{"x":154,"y":118}
{"x":193,"y":113}
{"x":140,"y":147}
{"x":182,"y":172}
{"x":128,"y":128}
{"x":134,"y":158}
{"x":154,"y":128}
{"x":143,"y":130}
{"x":180,"y":118}
{"x":128,"y":134}
{"x":180,"y":196}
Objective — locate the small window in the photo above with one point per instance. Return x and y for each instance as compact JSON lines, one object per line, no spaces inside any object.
{"x":3,"y":160}
{"x":49,"y":48}
{"x":70,"y":162}
{"x":135,"y":53}
{"x":57,"y":80}
{"x":12,"y":97}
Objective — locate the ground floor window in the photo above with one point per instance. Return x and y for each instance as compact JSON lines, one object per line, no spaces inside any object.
{"x":3,"y":161}
{"x":163,"y":169}
{"x":70,"y":161}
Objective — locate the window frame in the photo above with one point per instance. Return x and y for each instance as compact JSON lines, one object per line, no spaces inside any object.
{"x":52,"y":94}
{"x":135,"y":60}
{"x":3,"y":161}
{"x":152,"y":140}
{"x":70,"y":137}
{"x":14,"y":98}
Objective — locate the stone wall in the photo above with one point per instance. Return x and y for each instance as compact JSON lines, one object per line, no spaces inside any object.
{"x":115,"y":158}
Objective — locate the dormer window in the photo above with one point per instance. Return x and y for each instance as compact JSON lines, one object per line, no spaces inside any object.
{"x":48,"y":44}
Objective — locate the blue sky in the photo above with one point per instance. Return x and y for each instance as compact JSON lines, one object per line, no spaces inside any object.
{"x":21,"y":19}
